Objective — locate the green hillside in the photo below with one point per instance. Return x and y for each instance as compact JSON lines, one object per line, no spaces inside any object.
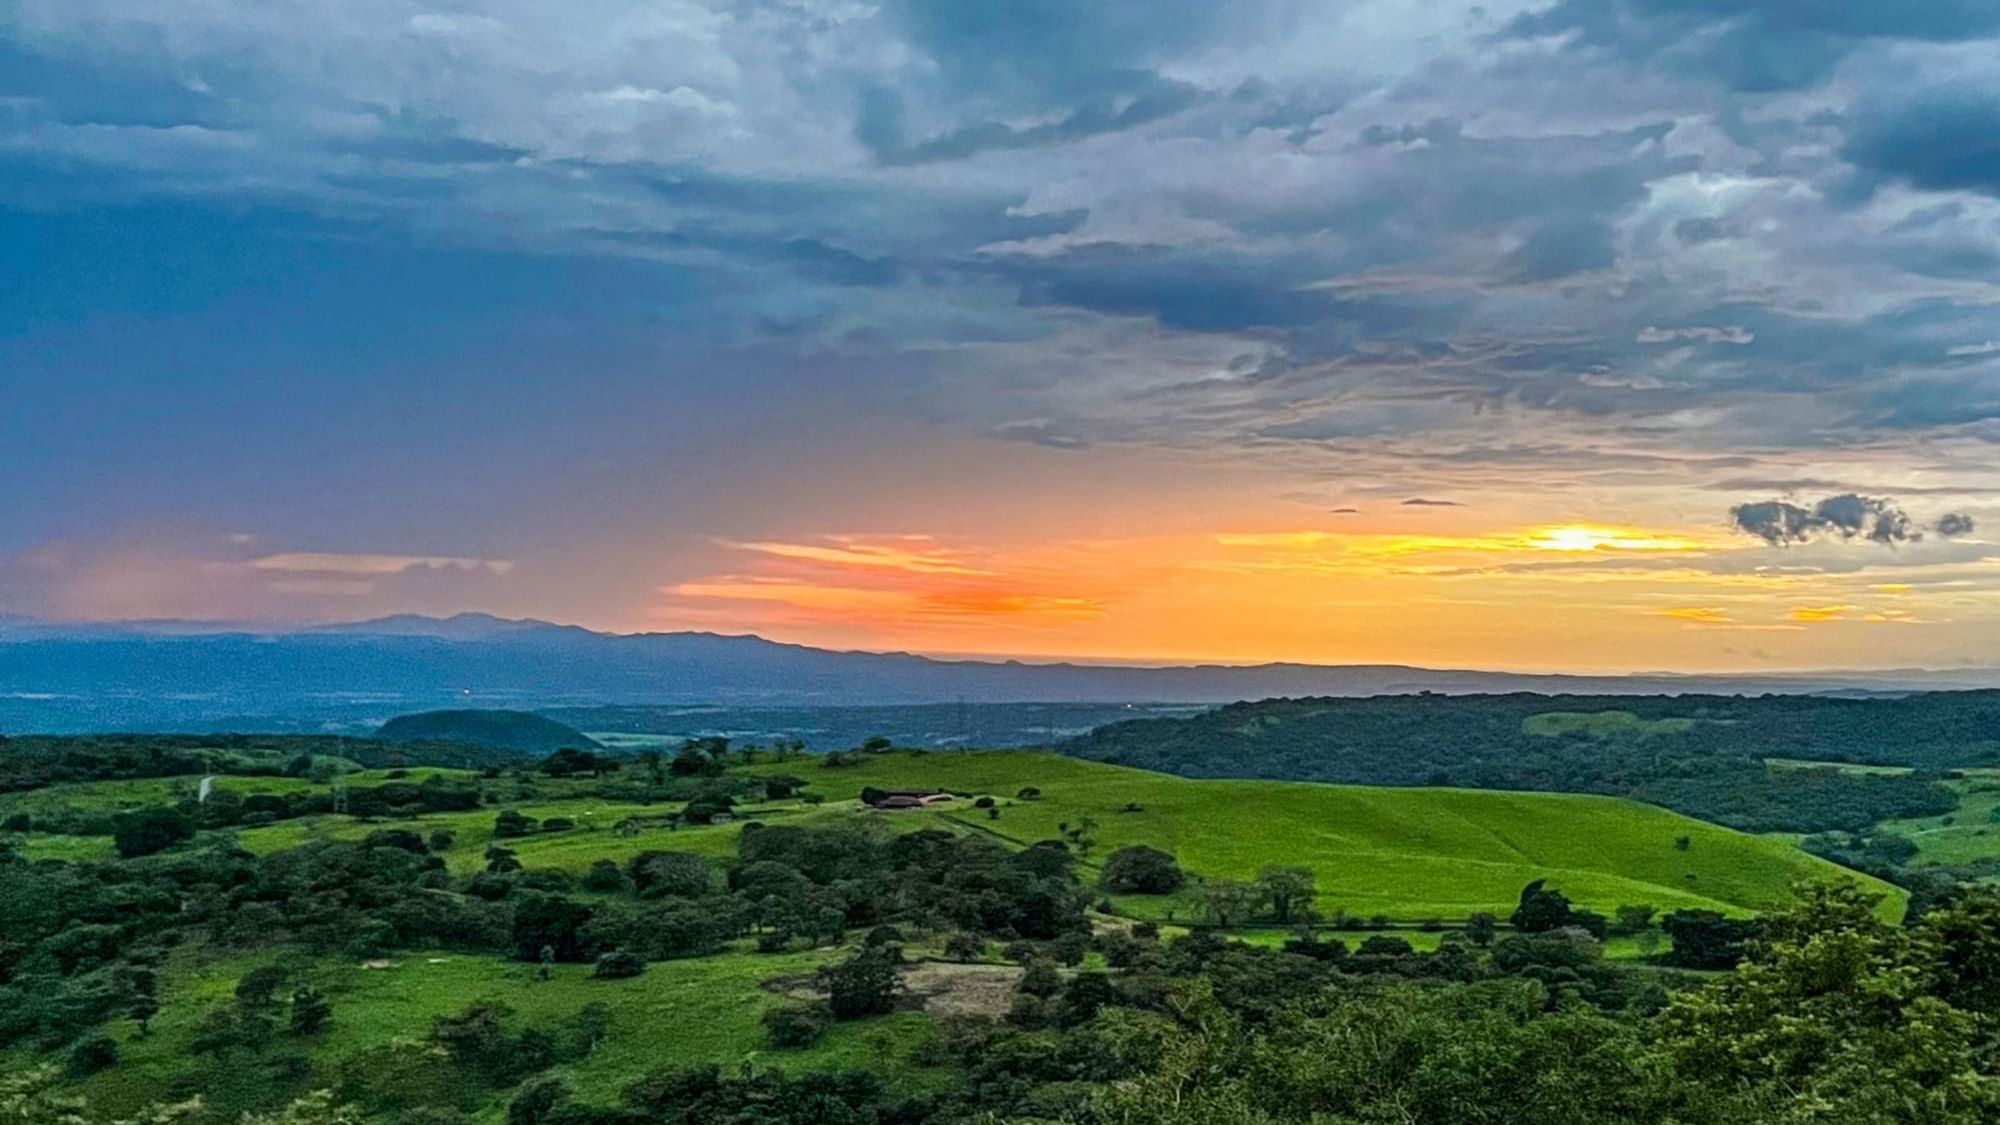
{"x":1412,"y":854}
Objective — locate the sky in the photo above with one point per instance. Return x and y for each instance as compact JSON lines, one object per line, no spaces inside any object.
{"x":1596,"y":335}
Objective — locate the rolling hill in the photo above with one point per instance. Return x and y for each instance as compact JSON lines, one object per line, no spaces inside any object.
{"x":1413,"y":854}
{"x":522,"y":732}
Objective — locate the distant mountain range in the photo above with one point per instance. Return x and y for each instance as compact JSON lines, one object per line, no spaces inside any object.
{"x":191,"y":676}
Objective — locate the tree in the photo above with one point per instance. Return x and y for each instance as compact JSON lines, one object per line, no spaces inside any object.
{"x":310,"y":1010}
{"x":149,"y":830}
{"x":1837,"y":1017}
{"x":1142,"y":870}
{"x":569,"y":761}
{"x":258,"y":988}
{"x":1226,"y":902}
{"x":142,"y":1010}
{"x":864,"y":985}
{"x":1705,"y":939}
{"x":1480,"y":928}
{"x":551,"y":922}
{"x":1288,"y":891}
{"x":1542,"y":908}
{"x":683,"y":874}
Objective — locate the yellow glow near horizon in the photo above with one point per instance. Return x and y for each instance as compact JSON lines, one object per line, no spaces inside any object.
{"x":1581,"y":537}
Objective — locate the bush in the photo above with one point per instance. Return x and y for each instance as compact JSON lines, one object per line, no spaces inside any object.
{"x":1382,"y":945}
{"x":558,"y":824}
{"x":93,"y":1053}
{"x":604,"y":876}
{"x":884,"y":935}
{"x":310,"y":1011}
{"x":619,"y":964}
{"x":963,"y":946}
{"x":149,"y":830}
{"x":511,"y":824}
{"x":1029,"y":793}
{"x":794,"y":1027}
{"x":1040,"y":978}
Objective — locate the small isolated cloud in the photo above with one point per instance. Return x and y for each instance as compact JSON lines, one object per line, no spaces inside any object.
{"x":317,"y":562}
{"x":1696,"y":615}
{"x":1421,"y":502}
{"x":1782,"y":523}
{"x":1347,"y":511}
{"x":1811,"y":614}
{"x":1698,"y":334}
{"x":1954,"y":524}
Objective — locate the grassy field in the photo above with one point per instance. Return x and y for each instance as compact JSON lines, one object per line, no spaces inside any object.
{"x":1410,"y":854}
{"x":1967,"y":834}
{"x":678,"y":1013}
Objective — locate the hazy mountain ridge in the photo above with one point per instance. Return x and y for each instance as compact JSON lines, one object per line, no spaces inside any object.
{"x":168,"y":675}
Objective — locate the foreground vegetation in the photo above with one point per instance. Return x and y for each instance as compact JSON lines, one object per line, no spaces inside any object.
{"x":714,"y":936}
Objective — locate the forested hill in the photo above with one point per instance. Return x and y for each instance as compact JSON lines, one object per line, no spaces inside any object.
{"x":519,"y":731}
{"x":1701,"y":755}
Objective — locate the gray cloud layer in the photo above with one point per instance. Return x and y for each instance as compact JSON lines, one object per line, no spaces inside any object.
{"x":1582,"y":239}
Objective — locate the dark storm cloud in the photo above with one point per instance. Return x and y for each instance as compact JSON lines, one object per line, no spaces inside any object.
{"x":1942,"y":140}
{"x":1846,"y":517}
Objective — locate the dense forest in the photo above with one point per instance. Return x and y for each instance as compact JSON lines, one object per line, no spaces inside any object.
{"x":1706,"y":756}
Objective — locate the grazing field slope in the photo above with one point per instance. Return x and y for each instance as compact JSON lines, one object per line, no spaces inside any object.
{"x":1413,"y":854}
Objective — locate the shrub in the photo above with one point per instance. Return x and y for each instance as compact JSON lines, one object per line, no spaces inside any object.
{"x":149,"y":830}
{"x":790,"y":1028}
{"x":604,"y":876}
{"x":884,"y":935}
{"x":1030,"y":793}
{"x":93,"y":1053}
{"x":619,"y":964}
{"x":558,"y":824}
{"x":511,"y":824}
{"x":1382,"y":945}
{"x":310,"y":1011}
{"x":963,"y":946}
{"x":1040,"y":978}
